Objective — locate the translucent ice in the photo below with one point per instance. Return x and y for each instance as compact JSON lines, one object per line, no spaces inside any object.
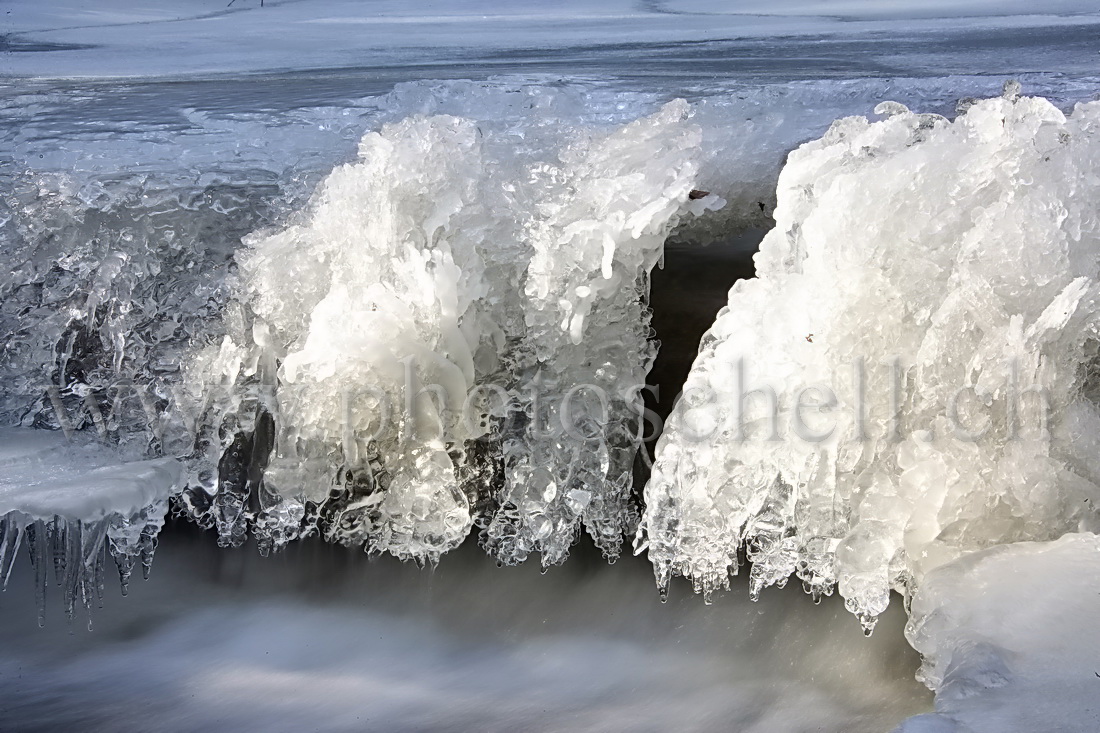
{"x":107,"y":282}
{"x":455,"y":331}
{"x":913,"y":373}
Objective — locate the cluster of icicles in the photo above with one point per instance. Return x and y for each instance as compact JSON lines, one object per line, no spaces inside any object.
{"x":452,"y":338}
{"x":74,"y":553}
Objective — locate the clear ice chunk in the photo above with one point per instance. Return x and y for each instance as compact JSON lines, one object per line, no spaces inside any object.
{"x":454,"y":332}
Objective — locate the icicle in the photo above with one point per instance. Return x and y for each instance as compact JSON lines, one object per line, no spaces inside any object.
{"x":148,"y":547}
{"x":125,"y":569}
{"x":55,"y":531}
{"x":92,"y":537}
{"x":74,"y":568}
{"x":133,"y":538}
{"x":663,"y":573}
{"x":101,"y":560}
{"x":11,"y":537}
{"x":39,"y":552}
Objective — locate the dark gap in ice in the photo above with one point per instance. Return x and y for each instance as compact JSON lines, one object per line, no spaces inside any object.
{"x":685,"y":296}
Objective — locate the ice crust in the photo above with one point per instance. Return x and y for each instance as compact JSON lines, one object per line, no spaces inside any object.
{"x":1003,"y":664}
{"x":45,"y":474}
{"x":406,"y":351}
{"x":74,"y":501}
{"x":936,"y":277}
{"x":115,"y":39}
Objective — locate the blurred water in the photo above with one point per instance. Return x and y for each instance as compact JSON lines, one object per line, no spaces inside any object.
{"x":322,"y":638}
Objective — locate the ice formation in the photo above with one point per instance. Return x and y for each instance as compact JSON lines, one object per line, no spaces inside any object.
{"x":72,"y":502}
{"x":912,"y":375}
{"x":454,"y":332}
{"x":107,"y":283}
{"x":1000,"y":665}
{"x":124,"y":287}
{"x":389,"y":367}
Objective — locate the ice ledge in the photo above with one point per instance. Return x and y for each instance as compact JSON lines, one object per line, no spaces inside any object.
{"x":73,"y":502}
{"x":43,"y":475}
{"x":1009,"y":640}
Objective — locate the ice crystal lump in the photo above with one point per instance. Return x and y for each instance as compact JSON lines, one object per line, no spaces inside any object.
{"x":454,"y":332}
{"x":451,"y":335}
{"x":913,"y":374}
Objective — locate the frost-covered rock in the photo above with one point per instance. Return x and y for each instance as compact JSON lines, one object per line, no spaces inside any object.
{"x":456,"y":330}
{"x":912,"y":374}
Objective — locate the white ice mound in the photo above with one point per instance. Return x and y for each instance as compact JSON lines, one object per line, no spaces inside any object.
{"x":999,"y":665}
{"x":74,"y":500}
{"x":455,"y":331}
{"x":912,"y":375}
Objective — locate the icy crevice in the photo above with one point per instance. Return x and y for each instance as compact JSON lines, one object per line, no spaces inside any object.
{"x":907,"y":378}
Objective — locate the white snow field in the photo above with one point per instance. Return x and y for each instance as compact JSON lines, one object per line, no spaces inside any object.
{"x":381,"y":274}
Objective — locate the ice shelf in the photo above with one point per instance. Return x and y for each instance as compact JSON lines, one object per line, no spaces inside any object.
{"x":1008,"y":637}
{"x":72,"y":502}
